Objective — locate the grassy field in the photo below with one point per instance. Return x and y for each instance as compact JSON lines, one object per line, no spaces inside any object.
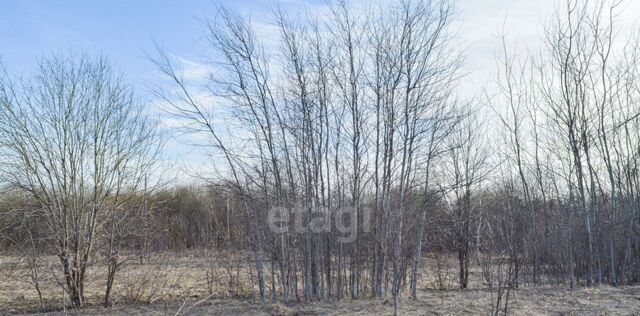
{"x":187,"y":283}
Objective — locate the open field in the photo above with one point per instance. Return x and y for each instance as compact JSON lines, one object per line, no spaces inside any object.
{"x":527,"y":301}
{"x":178,"y":283}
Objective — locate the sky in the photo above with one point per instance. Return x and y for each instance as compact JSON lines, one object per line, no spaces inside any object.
{"x":126,"y":31}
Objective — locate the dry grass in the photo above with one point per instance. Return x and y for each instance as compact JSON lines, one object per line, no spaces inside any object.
{"x":162,"y":278}
{"x":187,"y":284}
{"x":527,"y":301}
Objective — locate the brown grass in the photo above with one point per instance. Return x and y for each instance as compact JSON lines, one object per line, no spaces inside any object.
{"x":177,"y":283}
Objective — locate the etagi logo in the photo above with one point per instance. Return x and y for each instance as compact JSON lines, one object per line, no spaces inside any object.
{"x":320,"y":220}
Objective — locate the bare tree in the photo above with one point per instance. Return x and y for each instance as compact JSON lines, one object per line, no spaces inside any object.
{"x":74,"y":137}
{"x":468,"y":165}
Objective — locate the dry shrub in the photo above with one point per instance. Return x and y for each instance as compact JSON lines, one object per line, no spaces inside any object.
{"x":444,"y":275}
{"x":497,"y":274}
{"x":150,"y":283}
{"x":223,"y":273}
{"x":279,"y":309}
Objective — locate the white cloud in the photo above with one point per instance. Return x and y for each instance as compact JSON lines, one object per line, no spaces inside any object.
{"x":193,"y":70}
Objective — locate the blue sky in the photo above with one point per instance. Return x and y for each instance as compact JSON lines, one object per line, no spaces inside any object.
{"x":124,"y":30}
{"x":120,"y":29}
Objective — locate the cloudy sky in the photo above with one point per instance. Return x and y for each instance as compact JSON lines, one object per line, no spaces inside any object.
{"x":125,"y":30}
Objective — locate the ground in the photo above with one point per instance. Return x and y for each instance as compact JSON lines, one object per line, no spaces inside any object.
{"x":527,"y":301}
{"x":173,"y":284}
